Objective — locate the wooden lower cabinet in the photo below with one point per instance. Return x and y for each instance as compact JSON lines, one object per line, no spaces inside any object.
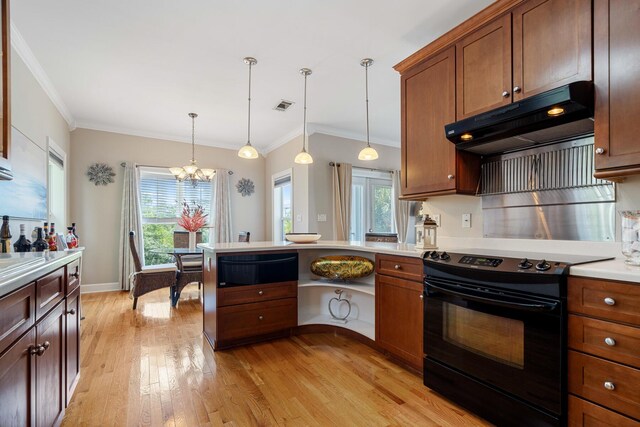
{"x":399,"y":318}
{"x":72,"y":343}
{"x":49,"y":374}
{"x":17,"y":388}
{"x":587,"y":414}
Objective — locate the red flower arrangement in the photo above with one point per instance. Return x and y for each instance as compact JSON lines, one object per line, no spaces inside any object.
{"x":192,"y":218}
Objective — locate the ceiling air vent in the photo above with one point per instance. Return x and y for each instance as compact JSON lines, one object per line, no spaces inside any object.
{"x":283,"y":105}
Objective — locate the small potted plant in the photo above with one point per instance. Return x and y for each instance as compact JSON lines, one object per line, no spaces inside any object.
{"x":192,"y":219}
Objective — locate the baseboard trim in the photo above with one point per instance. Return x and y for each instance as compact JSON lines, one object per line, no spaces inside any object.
{"x":92,"y":288}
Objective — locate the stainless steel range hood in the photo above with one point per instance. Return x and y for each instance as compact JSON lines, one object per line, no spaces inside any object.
{"x":557,"y":114}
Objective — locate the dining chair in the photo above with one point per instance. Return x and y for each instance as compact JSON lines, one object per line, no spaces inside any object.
{"x":147,"y":279}
{"x":189,"y":266}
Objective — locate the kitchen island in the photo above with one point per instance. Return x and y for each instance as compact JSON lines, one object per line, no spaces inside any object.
{"x":241,"y":314}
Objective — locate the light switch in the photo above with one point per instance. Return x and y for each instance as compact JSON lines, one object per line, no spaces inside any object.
{"x":466,"y":220}
{"x":298,"y":218}
{"x":322,"y":217}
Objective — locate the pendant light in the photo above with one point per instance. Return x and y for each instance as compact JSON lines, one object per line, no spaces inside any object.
{"x":368,"y":152}
{"x":303,"y":157}
{"x":247,"y":151}
{"x":192,"y":172}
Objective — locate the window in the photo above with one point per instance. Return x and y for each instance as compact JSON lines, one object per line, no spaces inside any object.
{"x":371,"y":204}
{"x":57,"y":188}
{"x":282,"y":206}
{"x":161,"y":198}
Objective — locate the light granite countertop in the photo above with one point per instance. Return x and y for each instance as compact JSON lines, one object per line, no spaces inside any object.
{"x":614,"y":269}
{"x":33,"y":265}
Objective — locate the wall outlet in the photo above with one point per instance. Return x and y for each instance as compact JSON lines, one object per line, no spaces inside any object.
{"x":466,"y":220}
{"x":436,"y":218}
{"x":298,"y":218}
{"x":322,"y":217}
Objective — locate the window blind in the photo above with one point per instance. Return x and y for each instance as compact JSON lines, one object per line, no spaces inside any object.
{"x":161,"y":196}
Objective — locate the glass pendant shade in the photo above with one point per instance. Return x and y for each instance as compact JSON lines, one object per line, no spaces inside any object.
{"x":368,"y":153}
{"x":208,"y":173}
{"x":248,"y":152}
{"x":190,"y":169}
{"x":303,"y":158}
{"x":176,"y":171}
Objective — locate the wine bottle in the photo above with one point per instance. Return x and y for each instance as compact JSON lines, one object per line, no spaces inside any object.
{"x":40,"y":245}
{"x":46,"y":230}
{"x":73,"y":225}
{"x":5,"y":236}
{"x":53,"y":243}
{"x":22,"y":244}
{"x":71,"y":240}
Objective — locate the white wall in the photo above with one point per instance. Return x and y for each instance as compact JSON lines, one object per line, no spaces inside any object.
{"x":96,"y":210}
{"x":312,"y":184}
{"x":33,"y":114}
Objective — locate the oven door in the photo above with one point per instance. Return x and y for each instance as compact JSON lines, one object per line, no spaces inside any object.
{"x":508,"y":341}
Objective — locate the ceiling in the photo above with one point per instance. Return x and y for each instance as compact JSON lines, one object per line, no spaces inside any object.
{"x":140,"y":66}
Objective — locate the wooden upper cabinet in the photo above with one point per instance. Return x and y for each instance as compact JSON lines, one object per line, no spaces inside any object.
{"x":430,"y":163}
{"x":617,"y":86}
{"x":551,"y":45}
{"x":483,"y":69}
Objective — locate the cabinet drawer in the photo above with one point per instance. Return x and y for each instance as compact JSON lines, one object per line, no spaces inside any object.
{"x":246,"y":320}
{"x":49,"y":291}
{"x":586,"y":414}
{"x":589,"y":377}
{"x":605,"y":299}
{"x":399,"y":266}
{"x":256,"y":293}
{"x":17,"y":314}
{"x":73,"y":276}
{"x":619,"y":343}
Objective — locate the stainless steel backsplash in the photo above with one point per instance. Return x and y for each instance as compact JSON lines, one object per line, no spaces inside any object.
{"x":547,"y":192}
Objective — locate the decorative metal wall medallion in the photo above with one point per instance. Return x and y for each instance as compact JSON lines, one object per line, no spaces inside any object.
{"x":245,"y":187}
{"x":100,"y":174}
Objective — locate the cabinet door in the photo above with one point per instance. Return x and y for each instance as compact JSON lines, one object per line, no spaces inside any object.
{"x":428,"y":103}
{"x":617,"y":67}
{"x":551,"y":45}
{"x":483,"y":69}
{"x":399,"y":318}
{"x":17,"y":391}
{"x":50,"y":378}
{"x":72,"y":343}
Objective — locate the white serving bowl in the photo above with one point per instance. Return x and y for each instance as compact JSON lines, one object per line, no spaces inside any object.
{"x":302,"y":237}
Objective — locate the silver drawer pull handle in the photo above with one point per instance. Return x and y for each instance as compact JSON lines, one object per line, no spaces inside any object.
{"x":609,"y":301}
{"x":610,"y":341}
{"x":397,"y":267}
{"x":609,"y":385}
{"x":260,"y":292}
{"x":421,"y":296}
{"x":260,"y":317}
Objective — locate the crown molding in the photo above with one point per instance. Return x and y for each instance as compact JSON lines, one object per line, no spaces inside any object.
{"x":26,"y":54}
{"x":357,"y":136}
{"x":286,"y":138}
{"x":154,"y":135}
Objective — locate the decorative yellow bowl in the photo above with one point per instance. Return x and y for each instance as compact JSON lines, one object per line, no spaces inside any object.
{"x":342,"y":267}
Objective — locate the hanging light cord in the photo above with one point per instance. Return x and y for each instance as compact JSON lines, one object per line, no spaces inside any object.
{"x":366,"y":91}
{"x":304,"y":119}
{"x":193,"y":138}
{"x":249,"y":115}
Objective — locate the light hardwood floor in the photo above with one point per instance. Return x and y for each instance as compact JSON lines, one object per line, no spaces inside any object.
{"x":153,"y":367}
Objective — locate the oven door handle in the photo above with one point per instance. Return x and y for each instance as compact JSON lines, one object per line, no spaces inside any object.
{"x":550,"y":306}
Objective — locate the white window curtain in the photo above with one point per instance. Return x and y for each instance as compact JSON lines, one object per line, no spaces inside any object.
{"x":342,"y":200}
{"x":130,"y":220}
{"x":401,"y":209}
{"x":221,"y":207}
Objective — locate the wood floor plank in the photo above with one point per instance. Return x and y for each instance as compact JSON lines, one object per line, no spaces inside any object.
{"x":153,"y":367}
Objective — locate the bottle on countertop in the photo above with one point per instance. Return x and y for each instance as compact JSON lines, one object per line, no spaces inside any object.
{"x":45,"y":230}
{"x":40,"y":244}
{"x":22,"y":244}
{"x":72,"y":241}
{"x":73,"y":226}
{"x":5,"y":236}
{"x":53,"y":243}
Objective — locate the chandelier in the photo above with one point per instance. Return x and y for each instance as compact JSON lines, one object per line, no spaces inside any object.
{"x":368,"y":152}
{"x":192,"y":172}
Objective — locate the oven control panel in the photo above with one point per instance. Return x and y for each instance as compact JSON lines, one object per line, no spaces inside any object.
{"x":480,"y":261}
